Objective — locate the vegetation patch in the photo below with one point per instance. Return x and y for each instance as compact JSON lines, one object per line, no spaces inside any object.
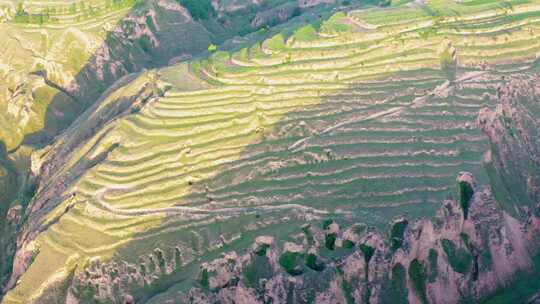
{"x":397,"y":293}
{"x":326,"y":223}
{"x":330,"y":241}
{"x":204,"y":279}
{"x":348,"y":244}
{"x":259,"y":268}
{"x":199,"y":9}
{"x":313,"y":262}
{"x":465,"y":194}
{"x":460,"y":259}
{"x":261,"y":250}
{"x":396,"y":235}
{"x":276,"y":43}
{"x":291,"y":262}
{"x":309,"y":235}
{"x":367,"y":251}
{"x":418,"y":277}
{"x":306,"y":33}
{"x":433,"y":259}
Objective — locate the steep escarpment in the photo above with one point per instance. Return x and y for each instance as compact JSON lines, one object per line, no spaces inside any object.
{"x":126,"y":97}
{"x":448,"y":260}
{"x":445,"y":261}
{"x":513,"y":128}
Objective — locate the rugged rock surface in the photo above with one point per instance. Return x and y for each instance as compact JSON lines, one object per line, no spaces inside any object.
{"x":444,"y":261}
{"x":514,"y":130}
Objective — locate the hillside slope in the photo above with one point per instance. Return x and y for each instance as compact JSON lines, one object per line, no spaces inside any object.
{"x":363,"y":121}
{"x":57,"y":58}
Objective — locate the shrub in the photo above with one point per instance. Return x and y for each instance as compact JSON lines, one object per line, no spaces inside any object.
{"x":205,"y":278}
{"x":396,"y":234}
{"x":348,"y":244}
{"x":459,"y":259}
{"x":417,"y":275}
{"x":397,"y":293}
{"x":313,"y":262}
{"x":433,"y":258}
{"x":330,"y":241}
{"x":212,"y":48}
{"x":326,"y":223}
{"x":367,"y":251}
{"x":290,"y":261}
{"x":465,"y":194}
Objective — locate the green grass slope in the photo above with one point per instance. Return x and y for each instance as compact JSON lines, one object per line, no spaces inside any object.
{"x":365,"y":116}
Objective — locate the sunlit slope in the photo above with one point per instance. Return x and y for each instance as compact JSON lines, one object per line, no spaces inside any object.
{"x":362,"y":119}
{"x":58,"y":46}
{"x":59,"y":56}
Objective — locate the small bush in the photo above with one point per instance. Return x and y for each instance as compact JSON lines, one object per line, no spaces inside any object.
{"x":291,"y":262}
{"x":212,"y":48}
{"x":199,"y":9}
{"x":260,"y":268}
{"x":367,"y":251}
{"x":261,"y":250}
{"x":205,"y":278}
{"x":330,"y":241}
{"x":326,"y":224}
{"x":460,"y":259}
{"x":397,"y":292}
{"x":348,"y":244}
{"x":417,"y":275}
{"x":313,"y":262}
{"x":465,"y":194}
{"x":396,"y":234}
{"x":433,"y":258}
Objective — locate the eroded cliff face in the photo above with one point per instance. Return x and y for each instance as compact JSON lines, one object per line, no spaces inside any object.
{"x":444,"y":261}
{"x":514,"y":131}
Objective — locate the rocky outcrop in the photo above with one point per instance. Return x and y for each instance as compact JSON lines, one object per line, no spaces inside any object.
{"x":444,"y":261}
{"x":275,"y":15}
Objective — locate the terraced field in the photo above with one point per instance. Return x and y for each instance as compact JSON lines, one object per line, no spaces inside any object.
{"x":58,"y":47}
{"x":366,"y":117}
{"x":59,"y":56}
